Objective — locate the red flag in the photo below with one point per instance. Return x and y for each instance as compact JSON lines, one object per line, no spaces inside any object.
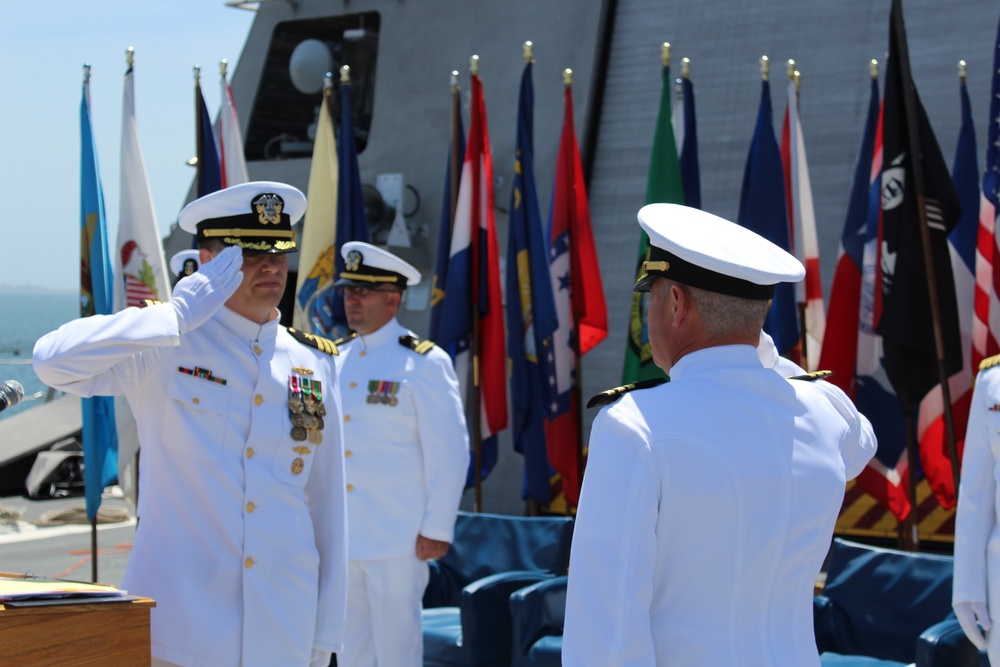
{"x":477,"y":185}
{"x":579,"y":293}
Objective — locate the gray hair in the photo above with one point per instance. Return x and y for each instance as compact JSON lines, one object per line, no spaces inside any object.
{"x":722,"y":314}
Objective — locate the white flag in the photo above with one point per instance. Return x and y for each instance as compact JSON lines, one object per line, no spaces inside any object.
{"x":233,"y":163}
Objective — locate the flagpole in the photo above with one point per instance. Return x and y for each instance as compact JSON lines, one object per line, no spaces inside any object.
{"x":456,"y":159}
{"x":913,"y":135}
{"x":477,"y":409}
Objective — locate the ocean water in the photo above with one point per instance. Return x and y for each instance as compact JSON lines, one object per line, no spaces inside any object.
{"x":24,"y":317}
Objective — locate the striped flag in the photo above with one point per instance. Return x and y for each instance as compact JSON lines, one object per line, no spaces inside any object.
{"x":763,"y":210}
{"x":986,"y":331}
{"x":579,"y":295}
{"x":100,"y":440}
{"x":935,"y":454}
{"x":472,"y":288}
{"x":802,"y":228}
{"x":531,"y":310}
{"x":139,"y":267}
{"x":233,"y":163}
{"x":314,"y":294}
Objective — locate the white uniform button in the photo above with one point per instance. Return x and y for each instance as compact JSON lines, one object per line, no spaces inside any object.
{"x":256,"y":349}
{"x":347,"y":418}
{"x":250,"y":507}
{"x":248,"y":563}
{"x":195,"y":400}
{"x":353,"y":385}
{"x":348,"y":454}
{"x":362,"y":353}
{"x":258,"y":399}
{"x":350,"y":487}
{"x":249,"y":452}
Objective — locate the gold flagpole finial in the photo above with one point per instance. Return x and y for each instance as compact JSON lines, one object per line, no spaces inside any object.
{"x":873,"y":68}
{"x":129,"y":57}
{"x":474,"y":65}
{"x":962,"y":70}
{"x":528,"y":55}
{"x":790,"y":69}
{"x":665,"y":54}
{"x":345,"y":74}
{"x":454,"y":79}
{"x":224,"y":67}
{"x":685,"y":67}
{"x":765,"y":67}
{"x":567,"y":77}
{"x":197,"y":73}
{"x":86,"y":72}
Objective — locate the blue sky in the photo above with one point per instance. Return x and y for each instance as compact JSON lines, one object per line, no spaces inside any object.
{"x":45,"y":44}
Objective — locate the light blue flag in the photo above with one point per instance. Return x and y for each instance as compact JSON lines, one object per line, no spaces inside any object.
{"x":100,"y":440}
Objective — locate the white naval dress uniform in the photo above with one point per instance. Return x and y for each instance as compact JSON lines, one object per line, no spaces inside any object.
{"x":406,"y":457}
{"x":977,"y":521}
{"x":241,"y":538}
{"x":705,"y":515}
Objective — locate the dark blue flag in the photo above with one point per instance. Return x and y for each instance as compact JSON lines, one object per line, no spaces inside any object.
{"x":687,"y":144}
{"x":762,"y":210}
{"x":452,"y":172}
{"x":352,"y":225}
{"x":531,"y":310}
{"x":209,"y":168}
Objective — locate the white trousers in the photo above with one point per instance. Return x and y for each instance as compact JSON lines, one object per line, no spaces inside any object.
{"x":383,"y":613}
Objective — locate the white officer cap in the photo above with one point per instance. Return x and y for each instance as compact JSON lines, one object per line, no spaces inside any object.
{"x":366,"y":264}
{"x":256,"y":216}
{"x":695,"y":248}
{"x":184,"y":263}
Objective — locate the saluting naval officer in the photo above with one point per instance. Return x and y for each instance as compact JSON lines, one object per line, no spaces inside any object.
{"x":406,"y":456}
{"x":242,"y":532}
{"x":976,"y":586}
{"x":710,"y":500}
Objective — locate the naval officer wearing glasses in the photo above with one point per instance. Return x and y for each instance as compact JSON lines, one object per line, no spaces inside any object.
{"x":710,"y":500}
{"x":406,"y":456}
{"x":241,"y":539}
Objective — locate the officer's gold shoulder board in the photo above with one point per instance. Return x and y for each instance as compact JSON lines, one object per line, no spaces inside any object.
{"x":811,"y":377}
{"x":322,"y":344}
{"x":989,"y":362}
{"x":346,"y":339}
{"x":145,"y":303}
{"x":415,"y":344}
{"x":612,"y":395}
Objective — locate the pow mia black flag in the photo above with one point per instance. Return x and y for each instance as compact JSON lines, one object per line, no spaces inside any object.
{"x":914,"y":172}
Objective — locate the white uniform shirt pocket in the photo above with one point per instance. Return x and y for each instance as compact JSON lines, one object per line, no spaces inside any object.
{"x":195,"y":417}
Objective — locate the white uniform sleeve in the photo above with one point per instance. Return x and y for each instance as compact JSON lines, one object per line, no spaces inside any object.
{"x":614,"y":549}
{"x":860,"y":445}
{"x":327,"y":499}
{"x":100,"y":355}
{"x":444,"y":443}
{"x":976,"y":516}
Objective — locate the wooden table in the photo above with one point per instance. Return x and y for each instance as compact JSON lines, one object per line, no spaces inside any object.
{"x":98,"y":634}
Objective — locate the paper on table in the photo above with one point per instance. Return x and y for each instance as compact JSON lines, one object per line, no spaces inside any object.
{"x":36,"y":589}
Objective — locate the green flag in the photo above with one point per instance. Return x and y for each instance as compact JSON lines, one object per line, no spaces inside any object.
{"x":663,"y":185}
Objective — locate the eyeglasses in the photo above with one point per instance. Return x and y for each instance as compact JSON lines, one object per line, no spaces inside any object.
{"x":361,"y":292}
